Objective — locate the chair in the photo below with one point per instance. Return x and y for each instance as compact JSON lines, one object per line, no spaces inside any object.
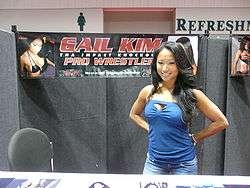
{"x":30,"y":150}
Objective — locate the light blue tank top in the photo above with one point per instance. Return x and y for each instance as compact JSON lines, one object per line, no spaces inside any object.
{"x":169,"y":140}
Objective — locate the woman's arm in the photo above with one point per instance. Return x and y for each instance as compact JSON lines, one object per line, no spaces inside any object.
{"x":194,"y":69}
{"x":138,"y":107}
{"x":25,"y":64}
{"x":50,"y":62}
{"x":234,"y":63}
{"x":213,"y":113}
{"x":21,"y":67}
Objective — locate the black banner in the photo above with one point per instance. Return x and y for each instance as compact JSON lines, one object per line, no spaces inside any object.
{"x":89,"y":54}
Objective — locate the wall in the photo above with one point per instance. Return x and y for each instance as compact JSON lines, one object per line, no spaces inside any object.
{"x":237,"y":145}
{"x":127,"y":143}
{"x":138,"y":22}
{"x":47,"y":4}
{"x":51,"y":20}
{"x":237,"y":155}
{"x":9,"y":118}
{"x":72,"y":112}
{"x":63,"y":19}
{"x":215,"y":82}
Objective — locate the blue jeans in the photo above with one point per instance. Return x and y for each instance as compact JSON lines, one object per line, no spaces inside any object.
{"x":184,"y":168}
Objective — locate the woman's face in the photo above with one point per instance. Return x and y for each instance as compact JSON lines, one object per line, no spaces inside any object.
{"x":166,"y":66}
{"x":247,"y":46}
{"x":36,"y":46}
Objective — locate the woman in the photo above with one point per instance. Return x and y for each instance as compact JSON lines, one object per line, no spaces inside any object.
{"x":241,"y":61}
{"x":31,"y":63}
{"x":170,"y":105}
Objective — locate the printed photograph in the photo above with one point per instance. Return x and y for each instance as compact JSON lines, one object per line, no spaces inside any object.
{"x":35,"y":56}
{"x":240,"y":55}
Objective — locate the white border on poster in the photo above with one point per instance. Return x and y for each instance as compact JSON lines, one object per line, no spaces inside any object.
{"x":194,"y":43}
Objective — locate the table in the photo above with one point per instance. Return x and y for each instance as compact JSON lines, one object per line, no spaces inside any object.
{"x":84,"y":180}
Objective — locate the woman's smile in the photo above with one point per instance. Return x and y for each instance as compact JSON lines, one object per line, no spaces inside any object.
{"x":166,"y":66}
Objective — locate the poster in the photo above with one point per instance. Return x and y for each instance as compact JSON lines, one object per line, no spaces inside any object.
{"x":240,"y":55}
{"x":49,"y":55}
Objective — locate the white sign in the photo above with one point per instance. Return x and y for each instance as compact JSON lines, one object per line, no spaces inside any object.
{"x":213,"y":20}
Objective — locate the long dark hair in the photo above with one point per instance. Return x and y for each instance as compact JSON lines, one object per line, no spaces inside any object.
{"x":185,"y":81}
{"x":24,"y":42}
{"x":25,"y":39}
{"x":245,"y":40}
{"x":188,"y":48}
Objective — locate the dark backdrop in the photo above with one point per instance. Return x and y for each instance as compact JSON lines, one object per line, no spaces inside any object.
{"x":9,"y":118}
{"x":87,"y":118}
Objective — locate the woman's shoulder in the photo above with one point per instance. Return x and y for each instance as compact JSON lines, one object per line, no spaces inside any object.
{"x":145,"y":91}
{"x":199,"y":95}
{"x":239,"y":51}
{"x":24,"y":57}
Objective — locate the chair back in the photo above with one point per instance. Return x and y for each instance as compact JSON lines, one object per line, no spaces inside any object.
{"x":30,"y":150}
